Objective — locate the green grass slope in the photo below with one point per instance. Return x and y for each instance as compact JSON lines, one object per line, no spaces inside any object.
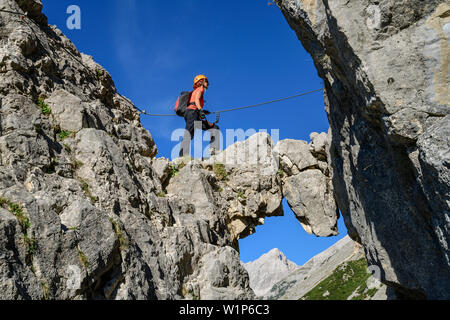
{"x":349,"y":280}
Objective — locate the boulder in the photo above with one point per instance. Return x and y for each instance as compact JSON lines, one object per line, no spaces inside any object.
{"x":310,"y":196}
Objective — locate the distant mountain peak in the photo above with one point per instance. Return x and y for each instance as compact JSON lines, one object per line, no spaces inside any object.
{"x":268,"y":269}
{"x":275,"y":252}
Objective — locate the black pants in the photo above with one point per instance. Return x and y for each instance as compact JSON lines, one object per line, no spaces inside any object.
{"x":193,"y":121}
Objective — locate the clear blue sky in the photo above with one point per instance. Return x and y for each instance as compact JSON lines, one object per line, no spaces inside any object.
{"x":153,"y":49}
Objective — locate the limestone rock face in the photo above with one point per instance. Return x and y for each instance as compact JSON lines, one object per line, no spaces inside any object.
{"x":83,"y":209}
{"x":33,"y":8}
{"x":87,"y":211}
{"x":385,"y":70}
{"x":249,"y":186}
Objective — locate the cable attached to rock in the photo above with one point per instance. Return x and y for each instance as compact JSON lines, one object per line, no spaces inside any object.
{"x":238,"y":108}
{"x":14,"y":12}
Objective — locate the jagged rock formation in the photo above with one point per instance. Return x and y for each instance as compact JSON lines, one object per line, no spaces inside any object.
{"x":385,"y":69}
{"x":88,"y":212}
{"x":267,"y":270}
{"x":248,"y":181}
{"x":78,"y":193}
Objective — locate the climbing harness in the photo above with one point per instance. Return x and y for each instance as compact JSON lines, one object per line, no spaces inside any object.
{"x":218,"y":113}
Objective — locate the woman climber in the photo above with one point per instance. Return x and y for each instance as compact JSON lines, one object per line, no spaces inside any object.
{"x":195,"y":118}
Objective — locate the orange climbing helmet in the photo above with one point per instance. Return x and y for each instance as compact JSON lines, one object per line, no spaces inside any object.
{"x":199,"y":78}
